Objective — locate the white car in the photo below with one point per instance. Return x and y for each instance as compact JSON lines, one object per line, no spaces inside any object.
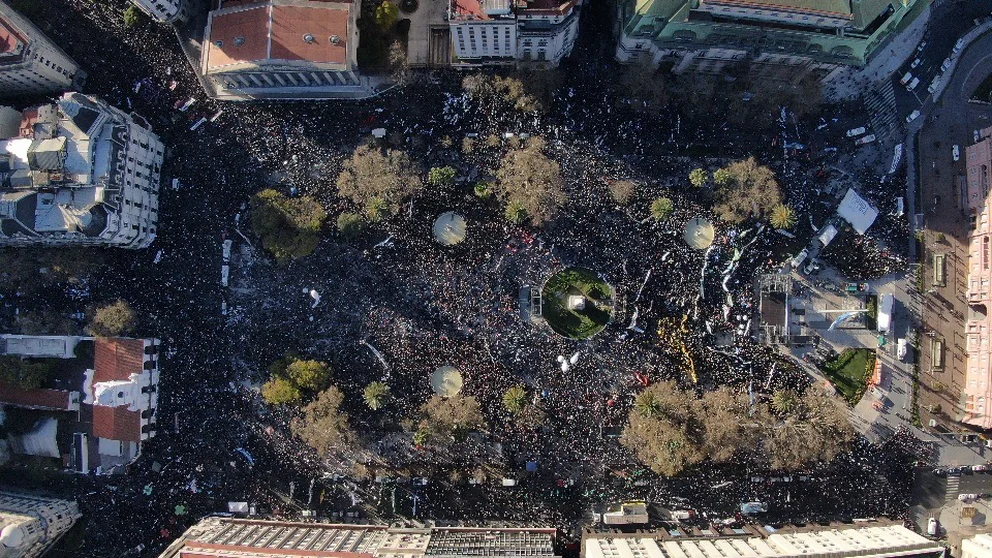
{"x":932,"y":526}
{"x":977,"y":136}
{"x":912,"y":85}
{"x":921,"y":46}
{"x":913,"y":116}
{"x":967,"y":497}
{"x":865,"y":140}
{"x":915,"y":63}
{"x":956,"y":152}
{"x":906,"y":78}
{"x":854,"y":132}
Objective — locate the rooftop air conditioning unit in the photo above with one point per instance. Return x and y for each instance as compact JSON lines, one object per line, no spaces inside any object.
{"x":309,"y":38}
{"x":238,"y":41}
{"x":335,"y":40}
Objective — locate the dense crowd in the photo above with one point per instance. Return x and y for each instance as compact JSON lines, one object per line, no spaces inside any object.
{"x":395,"y":305}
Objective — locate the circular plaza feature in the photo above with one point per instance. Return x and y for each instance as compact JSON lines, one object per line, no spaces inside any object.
{"x":447,"y":381}
{"x":577,"y":303}
{"x":449,"y":229}
{"x":699,"y":233}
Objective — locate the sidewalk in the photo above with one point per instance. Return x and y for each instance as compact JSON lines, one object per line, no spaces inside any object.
{"x":850,"y":85}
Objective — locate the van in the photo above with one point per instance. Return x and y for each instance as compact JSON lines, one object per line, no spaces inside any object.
{"x":932,"y":526}
{"x":906,"y":79}
{"x":854,"y":132}
{"x":901,"y":349}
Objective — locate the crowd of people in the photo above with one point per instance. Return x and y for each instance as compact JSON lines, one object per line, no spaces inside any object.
{"x":395,"y":305}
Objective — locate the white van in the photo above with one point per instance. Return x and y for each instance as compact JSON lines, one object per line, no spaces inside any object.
{"x":901,"y":349}
{"x":906,"y":78}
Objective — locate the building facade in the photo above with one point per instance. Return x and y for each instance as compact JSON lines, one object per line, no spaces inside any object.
{"x":216,"y":536}
{"x":504,"y":31}
{"x":79,"y":172}
{"x":103,"y":390}
{"x":30,"y":63}
{"x":976,"y":393}
{"x":781,"y":39}
{"x":978,"y":546}
{"x":165,"y":11}
{"x":282,"y":49}
{"x":866,"y":540}
{"x":29,"y":524}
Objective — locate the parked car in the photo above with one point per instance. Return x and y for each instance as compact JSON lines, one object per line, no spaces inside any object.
{"x":980,"y":468}
{"x":932,"y":527}
{"x":921,"y":46}
{"x":912,"y":85}
{"x":967,"y":497}
{"x":956,"y":152}
{"x":906,"y":78}
{"x":915,"y":63}
{"x":865,"y":140}
{"x":854,"y":132}
{"x":913,"y":116}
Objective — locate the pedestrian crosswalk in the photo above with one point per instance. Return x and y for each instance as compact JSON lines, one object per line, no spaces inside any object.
{"x":881,"y":104}
{"x":953,"y":488}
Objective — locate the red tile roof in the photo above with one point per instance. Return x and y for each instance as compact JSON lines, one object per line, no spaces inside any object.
{"x":291,"y":23}
{"x":274,"y":31}
{"x":34,"y":398}
{"x":116,"y":423}
{"x":117,"y":359}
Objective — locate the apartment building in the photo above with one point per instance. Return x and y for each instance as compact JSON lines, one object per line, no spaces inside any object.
{"x":29,"y":523}
{"x":976,"y":396}
{"x":217,"y":536}
{"x":79,"y":172}
{"x":781,"y":39}
{"x":165,"y":11}
{"x":507,"y":31}
{"x":104,"y":391}
{"x":282,"y":49}
{"x":865,"y":540}
{"x":30,"y":63}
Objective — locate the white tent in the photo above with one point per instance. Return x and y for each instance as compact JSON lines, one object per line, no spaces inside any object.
{"x":857,"y":211}
{"x":40,"y":441}
{"x":827,"y":235}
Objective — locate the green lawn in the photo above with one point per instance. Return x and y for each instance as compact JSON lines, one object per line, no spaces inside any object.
{"x":849,"y":373}
{"x":584,"y":323}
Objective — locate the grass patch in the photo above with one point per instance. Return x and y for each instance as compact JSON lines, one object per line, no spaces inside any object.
{"x":577,"y":324}
{"x":849,"y":373}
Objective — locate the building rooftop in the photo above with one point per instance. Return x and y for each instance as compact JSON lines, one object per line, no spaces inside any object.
{"x":827,"y":7}
{"x":251,"y":32}
{"x":107,"y":383}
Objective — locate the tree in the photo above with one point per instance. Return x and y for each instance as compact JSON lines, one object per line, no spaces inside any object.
{"x":782,"y":217}
{"x":699,"y":177}
{"x":309,"y":375}
{"x":642,"y":85}
{"x":386,"y":14}
{"x":515,"y":399}
{"x":493,"y":90}
{"x":133,"y":16}
{"x":784,"y":401}
{"x":323,"y":425}
{"x":815,"y":429}
{"x":515,"y":213}
{"x":728,"y":423}
{"x":113,"y":320}
{"x":281,"y":391}
{"x":752,"y":191}
{"x":288,"y":227}
{"x":27,"y":373}
{"x":667,"y":447}
{"x":398,"y":63}
{"x":350,"y":225}
{"x":451,"y":417}
{"x":378,"y":180}
{"x":531,"y":181}
{"x":375,"y":395}
{"x":662,"y":208}
{"x":483,"y":190}
{"x":441,"y":176}
{"x":622,"y":191}
{"x":722,"y":177}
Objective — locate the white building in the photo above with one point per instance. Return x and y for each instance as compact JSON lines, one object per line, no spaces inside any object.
{"x":866,"y":540}
{"x":30,"y":63}
{"x":29,"y":524}
{"x":80,"y":172}
{"x":978,"y":546}
{"x":165,"y":11}
{"x":504,"y":31}
{"x":111,"y":381}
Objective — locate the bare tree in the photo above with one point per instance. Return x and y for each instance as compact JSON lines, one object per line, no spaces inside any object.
{"x":323,"y":424}
{"x":728,"y":424}
{"x":531,"y":181}
{"x":752,"y":191}
{"x":378,"y":180}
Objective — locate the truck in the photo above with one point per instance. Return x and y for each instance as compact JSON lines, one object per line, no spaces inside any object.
{"x":884,"y":320}
{"x":906,"y":79}
{"x":901,"y":349}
